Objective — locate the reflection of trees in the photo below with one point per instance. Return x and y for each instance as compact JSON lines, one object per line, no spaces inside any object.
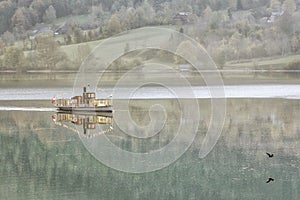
{"x":49,"y":174}
{"x":33,"y":167}
{"x":261,"y":124}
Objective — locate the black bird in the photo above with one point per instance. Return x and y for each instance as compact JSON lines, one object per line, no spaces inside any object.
{"x":270,"y":155}
{"x":270,"y":179}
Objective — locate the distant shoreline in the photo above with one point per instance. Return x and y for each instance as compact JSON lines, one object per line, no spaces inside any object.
{"x":67,"y":79}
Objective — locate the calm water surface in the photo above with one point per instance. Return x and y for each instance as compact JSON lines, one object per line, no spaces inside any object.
{"x":200,"y":92}
{"x":43,"y":160}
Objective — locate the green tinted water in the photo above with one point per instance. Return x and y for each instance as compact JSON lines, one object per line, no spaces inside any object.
{"x":40,"y":160}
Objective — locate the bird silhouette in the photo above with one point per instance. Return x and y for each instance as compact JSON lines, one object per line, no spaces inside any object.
{"x":270,"y":179}
{"x":270,"y":155}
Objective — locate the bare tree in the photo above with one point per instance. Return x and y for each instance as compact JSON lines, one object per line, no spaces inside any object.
{"x":2,"y":45}
{"x":14,"y":59}
{"x":8,"y":38}
{"x":289,"y":6}
{"x":50,"y":14}
{"x":49,"y":54}
{"x":113,"y":26}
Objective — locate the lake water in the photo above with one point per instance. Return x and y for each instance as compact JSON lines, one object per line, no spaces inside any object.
{"x":45,"y":155}
{"x":200,"y":92}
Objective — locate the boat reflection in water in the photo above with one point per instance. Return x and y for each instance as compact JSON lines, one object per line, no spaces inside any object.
{"x":90,"y":124}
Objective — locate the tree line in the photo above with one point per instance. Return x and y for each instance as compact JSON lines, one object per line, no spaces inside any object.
{"x":47,"y":56}
{"x":228,"y":29}
{"x":18,"y":16}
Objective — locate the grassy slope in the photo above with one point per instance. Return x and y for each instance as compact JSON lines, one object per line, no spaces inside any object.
{"x":230,"y":78}
{"x":263,"y":63}
{"x":72,"y":50}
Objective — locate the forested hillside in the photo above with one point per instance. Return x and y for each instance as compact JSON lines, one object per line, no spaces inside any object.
{"x":228,"y":29}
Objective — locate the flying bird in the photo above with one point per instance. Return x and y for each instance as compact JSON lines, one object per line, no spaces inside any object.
{"x":270,"y":155}
{"x":270,"y":179}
